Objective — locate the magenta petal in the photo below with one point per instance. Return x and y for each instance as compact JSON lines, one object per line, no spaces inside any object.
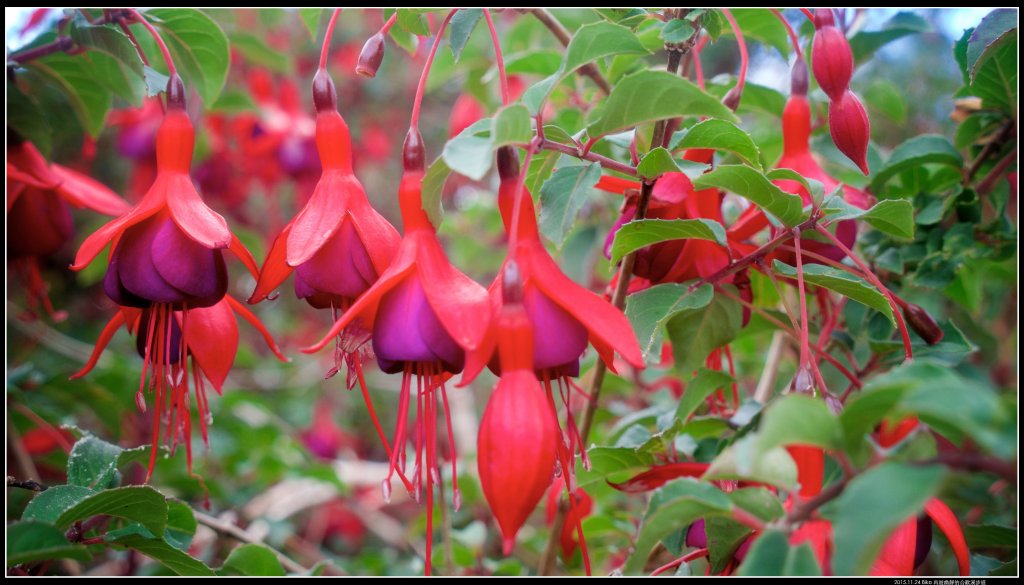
{"x":136,"y":270}
{"x":407,"y":331}
{"x":340,"y":267}
{"x":115,"y":290}
{"x":559,"y":339}
{"x":189,"y":267}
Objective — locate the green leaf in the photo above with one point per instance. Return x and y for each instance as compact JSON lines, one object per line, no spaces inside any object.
{"x":181,"y":525}
{"x":511,"y":126}
{"x":31,"y":542}
{"x":468,"y":155}
{"x":433,"y":188}
{"x":798,"y":420}
{"x":460,"y":27}
{"x":90,"y":99}
{"x":998,"y":28}
{"x":754,"y":186}
{"x":772,"y":555}
{"x":589,"y":43}
{"x":641,"y":233}
{"x":894,"y":217}
{"x":608,"y":461}
{"x":563,"y":195}
{"x":540,"y":62}
{"x":649,"y":310}
{"x":256,"y":50}
{"x":655,"y":163}
{"x":311,"y":20}
{"x":541,"y":167}
{"x":198,"y":46}
{"x":722,"y":135}
{"x":114,"y":58}
{"x":252,"y":560}
{"x":234,"y":102}
{"x":26,"y":117}
{"x":141,"y":504}
{"x":655,"y":95}
{"x":49,"y":505}
{"x":885,"y":98}
{"x":842,"y":282}
{"x":724,"y":536}
{"x":990,"y":536}
{"x":996,"y":79}
{"x":156,"y":82}
{"x":673,"y":507}
{"x":696,"y":332}
{"x":743,"y":460}
{"x":676,"y":31}
{"x":865,"y":43}
{"x":872,"y":506}
{"x":93,"y":463}
{"x":758,"y":501}
{"x":763,"y":26}
{"x":700,"y":387}
{"x":920,"y":150}
{"x":414,"y":21}
{"x":180,"y":563}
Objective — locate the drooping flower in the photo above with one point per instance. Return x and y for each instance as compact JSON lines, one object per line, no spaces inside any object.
{"x":425,"y":315}
{"x":518,"y":429}
{"x":166,"y":270}
{"x":338,"y":244}
{"x":38,"y":214}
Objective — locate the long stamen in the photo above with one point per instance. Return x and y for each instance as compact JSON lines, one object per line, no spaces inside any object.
{"x":456,"y":494}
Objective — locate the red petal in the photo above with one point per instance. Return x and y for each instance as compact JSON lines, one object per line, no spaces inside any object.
{"x":658,"y":475}
{"x":83,"y":191}
{"x":607,"y":325}
{"x":898,"y":552}
{"x":151,"y":203}
{"x":320,"y":218}
{"x":255,"y":322}
{"x":616,"y":184}
{"x":366,"y":305}
{"x":108,"y":332}
{"x":379,"y":236}
{"x":14,"y":190}
{"x":461,"y":304}
{"x":274,"y":270}
{"x":478,"y":359}
{"x":25,"y":163}
{"x":751,"y":221}
{"x":818,"y":535}
{"x":243,"y":254}
{"x":810,"y":468}
{"x":944,"y":518}
{"x":212,"y":337}
{"x":198,"y":221}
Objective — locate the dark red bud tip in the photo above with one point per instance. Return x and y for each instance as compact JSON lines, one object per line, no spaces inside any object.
{"x":803,"y":381}
{"x":511,"y":283}
{"x":508,"y":163}
{"x":175,"y":93}
{"x":923,"y":323}
{"x":371,"y":56}
{"x":824,"y":17}
{"x":798,"y":78}
{"x":732,"y":98}
{"x":325,"y":97}
{"x":414,"y":156}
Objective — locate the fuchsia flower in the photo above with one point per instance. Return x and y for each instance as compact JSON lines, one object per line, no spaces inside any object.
{"x":166,"y":270}
{"x":39,"y":220}
{"x":338,"y":244}
{"x":425,"y":316}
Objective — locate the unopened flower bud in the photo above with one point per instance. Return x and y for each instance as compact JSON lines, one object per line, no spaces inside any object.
{"x":824,"y":17}
{"x":371,"y":56}
{"x":414,"y":155}
{"x":922,"y":323}
{"x":798,"y":78}
{"x":850,"y":128}
{"x":175,"y":93}
{"x":803,"y":381}
{"x":832,"y":61}
{"x":508,"y":163}
{"x":732,"y":98}
{"x":325,"y":97}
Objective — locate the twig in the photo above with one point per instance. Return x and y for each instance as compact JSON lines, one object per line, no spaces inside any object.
{"x":547,"y":558}
{"x":591,"y":156}
{"x":804,"y":510}
{"x":997,"y":171}
{"x":766,"y":383}
{"x":989,"y":149}
{"x":229,"y":529}
{"x":61,"y":45}
{"x":563,"y":36}
{"x":21,"y":455}
{"x":977,"y":462}
{"x":26,"y":484}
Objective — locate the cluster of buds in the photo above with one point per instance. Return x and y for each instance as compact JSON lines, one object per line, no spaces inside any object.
{"x":832,"y":62}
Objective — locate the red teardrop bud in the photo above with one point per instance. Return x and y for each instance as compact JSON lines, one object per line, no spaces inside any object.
{"x":175,"y":93}
{"x":923,"y":323}
{"x":824,"y":17}
{"x":850,"y":128}
{"x":516,"y":450}
{"x":732,"y":98}
{"x":371,"y":56}
{"x":832,"y":61}
{"x":414,"y":155}
{"x":325,"y":96}
{"x":508,"y":163}
{"x":798,"y":78}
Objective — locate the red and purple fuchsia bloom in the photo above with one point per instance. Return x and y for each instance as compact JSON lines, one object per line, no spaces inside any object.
{"x":39,"y":219}
{"x":167,"y":272}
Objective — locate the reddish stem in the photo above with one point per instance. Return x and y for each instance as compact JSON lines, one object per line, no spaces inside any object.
{"x":804,"y":329}
{"x":414,"y":119}
{"x":808,"y":14}
{"x":127,"y":30}
{"x":789,"y":29}
{"x":171,"y":69}
{"x":908,"y":351}
{"x":697,"y":554}
{"x":324,"y":49}
{"x":575,"y":151}
{"x":744,"y":56}
{"x":517,"y":204}
{"x":498,"y":59}
{"x":698,"y":70}
{"x":390,"y":23}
